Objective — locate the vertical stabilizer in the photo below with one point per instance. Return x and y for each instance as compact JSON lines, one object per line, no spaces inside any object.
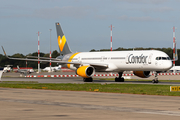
{"x":18,"y":67}
{"x":62,"y":43}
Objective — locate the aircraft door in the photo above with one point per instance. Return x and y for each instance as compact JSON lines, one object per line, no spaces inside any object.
{"x":102,"y":58}
{"x":150,"y":58}
{"x":79,"y":59}
{"x":127,"y":58}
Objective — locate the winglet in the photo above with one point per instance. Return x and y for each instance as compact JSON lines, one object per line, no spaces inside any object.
{"x":4,"y":51}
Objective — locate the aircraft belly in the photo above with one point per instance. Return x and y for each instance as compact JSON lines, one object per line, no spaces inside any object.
{"x":135,"y":67}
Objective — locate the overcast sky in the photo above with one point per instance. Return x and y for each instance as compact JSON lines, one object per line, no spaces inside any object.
{"x":137,"y":23}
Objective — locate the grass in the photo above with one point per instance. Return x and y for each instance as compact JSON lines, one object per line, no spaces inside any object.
{"x":153,"y":89}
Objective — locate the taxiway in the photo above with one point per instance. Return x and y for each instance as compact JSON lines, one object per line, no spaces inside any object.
{"x":79,"y":80}
{"x":31,"y":104}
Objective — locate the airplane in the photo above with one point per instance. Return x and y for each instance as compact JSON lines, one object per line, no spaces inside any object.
{"x":53,"y":69}
{"x":1,"y":72}
{"x":85,"y":64}
{"x":23,"y":71}
{"x":175,"y":69}
{"x":7,"y":68}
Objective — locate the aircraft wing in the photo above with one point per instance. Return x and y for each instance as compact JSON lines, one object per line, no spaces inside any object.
{"x":96,"y":65}
{"x":47,"y":58}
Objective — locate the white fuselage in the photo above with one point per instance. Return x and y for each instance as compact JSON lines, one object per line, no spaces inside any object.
{"x":119,"y":61}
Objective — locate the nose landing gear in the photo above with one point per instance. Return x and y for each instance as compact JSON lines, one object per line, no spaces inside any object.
{"x":155,"y":80}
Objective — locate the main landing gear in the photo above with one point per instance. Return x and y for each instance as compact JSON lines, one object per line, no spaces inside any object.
{"x":155,"y":80}
{"x":120,"y":78}
{"x":88,"y":79}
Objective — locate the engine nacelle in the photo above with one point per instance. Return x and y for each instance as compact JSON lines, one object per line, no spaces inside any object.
{"x":85,"y":71}
{"x":142,"y":74}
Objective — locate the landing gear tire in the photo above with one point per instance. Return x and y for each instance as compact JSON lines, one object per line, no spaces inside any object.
{"x":87,"y":79}
{"x":116,"y":79}
{"x":119,"y":79}
{"x":155,"y":81}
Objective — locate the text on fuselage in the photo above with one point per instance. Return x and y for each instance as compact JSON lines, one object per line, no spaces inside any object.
{"x":137,"y":59}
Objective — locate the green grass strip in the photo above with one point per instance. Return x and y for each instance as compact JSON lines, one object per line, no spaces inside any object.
{"x":145,"y":89}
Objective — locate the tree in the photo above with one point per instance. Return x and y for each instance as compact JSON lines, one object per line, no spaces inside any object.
{"x":55,"y":54}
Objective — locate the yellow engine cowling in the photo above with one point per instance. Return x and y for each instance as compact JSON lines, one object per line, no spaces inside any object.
{"x":142,"y":74}
{"x":85,"y":71}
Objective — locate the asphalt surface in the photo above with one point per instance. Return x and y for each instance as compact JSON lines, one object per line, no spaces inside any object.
{"x":28,"y":104}
{"x":20,"y":104}
{"x":80,"y":80}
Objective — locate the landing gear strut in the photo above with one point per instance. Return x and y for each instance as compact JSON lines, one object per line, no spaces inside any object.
{"x":120,"y":78}
{"x":155,"y":80}
{"x":88,"y":79}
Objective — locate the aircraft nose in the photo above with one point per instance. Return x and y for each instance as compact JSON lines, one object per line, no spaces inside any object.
{"x":169,"y":65}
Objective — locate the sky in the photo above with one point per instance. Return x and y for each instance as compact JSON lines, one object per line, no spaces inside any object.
{"x":85,"y":23}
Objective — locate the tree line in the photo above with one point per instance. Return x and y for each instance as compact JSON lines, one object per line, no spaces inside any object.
{"x":5,"y":61}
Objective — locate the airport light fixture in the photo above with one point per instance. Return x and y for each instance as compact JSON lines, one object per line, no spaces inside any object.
{"x":111,"y":35}
{"x":38,"y":52}
{"x":50,"y":51}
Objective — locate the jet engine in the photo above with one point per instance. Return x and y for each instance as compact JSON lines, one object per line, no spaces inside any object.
{"x":85,"y":71}
{"x":142,"y":74}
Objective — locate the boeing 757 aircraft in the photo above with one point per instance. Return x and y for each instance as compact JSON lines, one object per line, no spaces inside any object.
{"x":24,"y":71}
{"x":141,"y":62}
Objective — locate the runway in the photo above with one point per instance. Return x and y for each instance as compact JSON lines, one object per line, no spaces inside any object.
{"x":20,"y":104}
{"x":80,"y":81}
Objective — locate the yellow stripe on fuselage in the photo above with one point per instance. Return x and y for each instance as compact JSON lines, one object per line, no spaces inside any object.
{"x":70,"y":59}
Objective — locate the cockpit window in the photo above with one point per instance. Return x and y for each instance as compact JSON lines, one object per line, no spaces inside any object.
{"x":163,"y":58}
